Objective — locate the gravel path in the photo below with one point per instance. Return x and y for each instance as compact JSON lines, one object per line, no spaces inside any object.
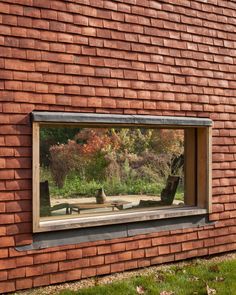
{"x":74,"y":286}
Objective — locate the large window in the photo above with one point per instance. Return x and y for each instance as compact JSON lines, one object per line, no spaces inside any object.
{"x":92,"y":170}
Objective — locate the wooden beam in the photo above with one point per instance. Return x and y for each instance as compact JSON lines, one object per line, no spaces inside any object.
{"x":204,"y":178}
{"x":113,"y":119}
{"x":36,"y":175}
{"x":190,"y":167}
{"x":209,"y":172}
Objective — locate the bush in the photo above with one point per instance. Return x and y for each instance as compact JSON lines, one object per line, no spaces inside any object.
{"x":60,"y":164}
{"x":117,"y":155}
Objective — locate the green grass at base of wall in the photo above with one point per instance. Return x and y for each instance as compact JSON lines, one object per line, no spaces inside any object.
{"x":198,"y":278}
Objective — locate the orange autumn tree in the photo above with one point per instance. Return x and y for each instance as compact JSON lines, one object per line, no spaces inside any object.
{"x":83,"y":154}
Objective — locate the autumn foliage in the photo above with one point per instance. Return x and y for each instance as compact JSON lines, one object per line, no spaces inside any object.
{"x":116,"y":154}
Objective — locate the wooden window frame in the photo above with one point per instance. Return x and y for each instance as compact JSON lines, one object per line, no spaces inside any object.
{"x":198,"y":159}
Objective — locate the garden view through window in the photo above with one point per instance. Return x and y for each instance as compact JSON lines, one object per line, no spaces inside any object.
{"x":87,"y":171}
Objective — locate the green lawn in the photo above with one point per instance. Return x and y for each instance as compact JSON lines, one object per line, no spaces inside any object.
{"x":195,"y":278}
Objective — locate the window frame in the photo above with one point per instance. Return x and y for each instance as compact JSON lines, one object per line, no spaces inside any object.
{"x":200,"y":139}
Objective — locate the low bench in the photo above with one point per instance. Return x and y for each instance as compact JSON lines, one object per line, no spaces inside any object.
{"x":77,"y":207}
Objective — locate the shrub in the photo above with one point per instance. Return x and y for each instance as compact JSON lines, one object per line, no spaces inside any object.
{"x":60,"y":164}
{"x":117,"y":155}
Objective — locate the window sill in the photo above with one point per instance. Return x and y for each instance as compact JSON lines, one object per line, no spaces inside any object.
{"x":164,"y":213}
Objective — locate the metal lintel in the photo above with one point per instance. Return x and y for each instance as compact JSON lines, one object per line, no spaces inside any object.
{"x":109,"y":232}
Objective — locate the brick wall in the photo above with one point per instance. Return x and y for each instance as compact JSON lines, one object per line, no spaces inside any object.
{"x":130,"y":57}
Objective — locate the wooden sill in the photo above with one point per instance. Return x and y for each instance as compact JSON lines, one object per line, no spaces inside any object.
{"x":82,"y":222}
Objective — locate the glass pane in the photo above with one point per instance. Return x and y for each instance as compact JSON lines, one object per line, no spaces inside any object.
{"x":97,"y":171}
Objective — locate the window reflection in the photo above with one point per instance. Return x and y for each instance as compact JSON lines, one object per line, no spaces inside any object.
{"x":96,"y":171}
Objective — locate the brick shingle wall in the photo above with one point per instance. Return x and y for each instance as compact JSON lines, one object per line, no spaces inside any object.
{"x":129,"y":57}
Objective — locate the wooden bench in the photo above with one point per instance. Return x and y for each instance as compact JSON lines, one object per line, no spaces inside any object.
{"x":77,"y":207}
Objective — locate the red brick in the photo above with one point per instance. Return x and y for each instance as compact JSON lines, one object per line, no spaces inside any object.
{"x":94,"y":102}
{"x":2,"y":185}
{"x":50,"y":267}
{"x":16,"y":273}
{"x":24,"y":283}
{"x":136,"y":104}
{"x":7,"y":263}
{"x":97,"y":260}
{"x":6,"y":218}
{"x":23,"y":239}
{"x":18,"y":206}
{"x":4,"y":8}
{"x":3,"y":231}
{"x":58,"y":278}
{"x":144,"y":243}
{"x":88,"y":272}
{"x":74,"y":274}
{"x":73,"y":254}
{"x":2,"y":163}
{"x":138,"y":254}
{"x":151,"y":252}
{"x":185,"y":255}
{"x":87,"y":252}
{"x":158,"y":241}
{"x":164,"y":249}
{"x":6,"y":242}
{"x":117,"y":247}
{"x":41,"y":258}
{"x":59,"y":256}
{"x":13,"y":140}
{"x":104,"y":249}
{"x":3,"y":275}
{"x":80,"y":20}
{"x":151,"y":105}
{"x":41,"y":281}
{"x":83,"y":262}
{"x":14,"y":253}
{"x":117,"y":267}
{"x":23,"y":217}
{"x":34,"y":270}
{"x":132,"y":245}
{"x":7,"y":196}
{"x":124,"y":255}
{"x":175,"y":248}
{"x":111,"y":258}
{"x":131,"y":264}
{"x":6,"y":151}
{"x":144,"y":262}
{"x":2,"y":207}
{"x":17,"y":185}
{"x":23,"y":174}
{"x":23,"y":152}
{"x":3,"y":252}
{"x":209,"y":242}
{"x":162,"y":259}
{"x":8,"y":286}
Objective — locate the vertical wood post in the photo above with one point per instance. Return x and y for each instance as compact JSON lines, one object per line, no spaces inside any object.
{"x":204,"y":175}
{"x":190,"y":167}
{"x":36,"y":175}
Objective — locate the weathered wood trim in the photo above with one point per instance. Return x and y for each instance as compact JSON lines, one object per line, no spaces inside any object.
{"x":201,"y":168}
{"x":203,"y":181}
{"x":204,"y":168}
{"x":36,"y":175}
{"x":123,"y":218}
{"x":190,"y":167}
{"x":209,"y":171}
{"x":84,"y":118}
